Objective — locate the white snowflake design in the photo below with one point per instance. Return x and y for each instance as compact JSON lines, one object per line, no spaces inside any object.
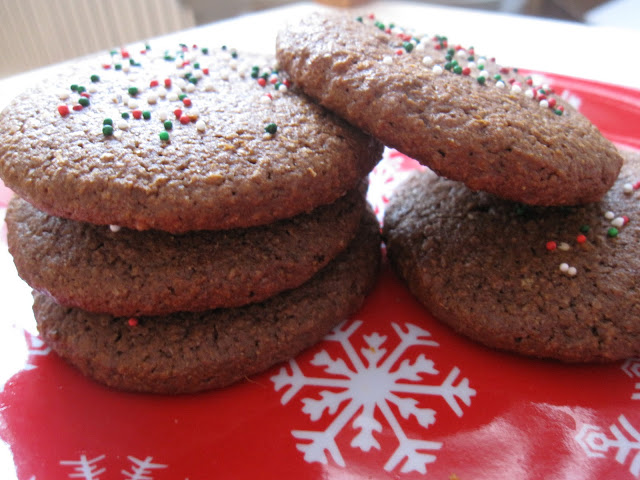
{"x":372,"y":383}
{"x":596,"y":443}
{"x":632,"y":368}
{"x":88,"y":469}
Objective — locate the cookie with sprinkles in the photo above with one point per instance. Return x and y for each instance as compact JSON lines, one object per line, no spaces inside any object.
{"x":186,"y":139}
{"x":129,"y":272}
{"x":190,"y":352}
{"x":455,"y":111}
{"x":553,"y":282}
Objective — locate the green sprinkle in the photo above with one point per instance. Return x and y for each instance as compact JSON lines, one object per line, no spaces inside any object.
{"x":457,"y":69}
{"x":95,"y":78}
{"x":125,"y":115}
{"x":164,"y":136}
{"x":196,"y":66}
{"x":613,"y":232}
{"x":234,"y":54}
{"x":168,"y":125}
{"x":107,"y":121}
{"x":224,"y":47}
{"x":271,"y":128}
{"x":205,"y":51}
{"x":182,"y":96}
{"x":146,"y":114}
{"x":471,"y":58}
{"x":497,"y":77}
{"x":113,"y":52}
{"x":84,"y":101}
{"x":193,"y":80}
{"x":107,"y":130}
{"x":448,"y":66}
{"x":133,"y":91}
{"x":585,"y":228}
{"x":169,"y":58}
{"x":359,"y":19}
{"x":408,"y":46}
{"x":481,"y":80}
{"x":557,"y":111}
{"x":74,"y":88}
{"x":81,"y":89}
{"x":118,"y":66}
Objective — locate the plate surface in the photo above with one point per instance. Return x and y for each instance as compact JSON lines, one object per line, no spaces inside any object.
{"x":390,"y":393}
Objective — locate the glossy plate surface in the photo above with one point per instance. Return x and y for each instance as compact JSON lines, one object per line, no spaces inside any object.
{"x":390,"y":393}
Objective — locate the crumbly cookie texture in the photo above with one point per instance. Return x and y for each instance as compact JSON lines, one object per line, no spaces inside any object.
{"x":177,"y":140}
{"x":453,"y":110}
{"x":556,"y":282}
{"x":132,"y":273}
{"x":190,"y":352}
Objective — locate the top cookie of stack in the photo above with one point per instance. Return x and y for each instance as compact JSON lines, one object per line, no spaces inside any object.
{"x":456,"y":112}
{"x":177,"y":141}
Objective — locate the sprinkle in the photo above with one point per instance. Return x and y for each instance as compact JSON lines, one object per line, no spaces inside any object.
{"x":63,"y":110}
{"x":133,"y":91}
{"x":177,"y":112}
{"x":544,"y":103}
{"x":282,"y":88}
{"x":184,"y":119}
{"x":146,"y":114}
{"x":168,"y":124}
{"x":132,"y":103}
{"x":271,"y":128}
{"x":201,"y":125}
{"x":618,"y":222}
{"x":564,"y":246}
{"x":115,"y":228}
{"x":267,"y":98}
{"x":107,"y":130}
{"x":95,"y":78}
{"x":427,"y":60}
{"x":167,"y":82}
{"x":387,"y":60}
{"x":572,"y":272}
{"x":581,"y":238}
{"x":137,"y":114}
{"x":437,"y":70}
{"x":481,"y":79}
{"x":132,"y":322}
{"x":186,"y":102}
{"x":551,"y":246}
{"x":564,"y":267}
{"x":164,"y":136}
{"x":163,"y":115}
{"x":77,"y":108}
{"x":107,"y":121}
{"x":515,"y":88}
{"x":152,"y":99}
{"x":125,"y":115}
{"x":585,"y":228}
{"x":613,"y":232}
{"x":627,"y":188}
{"x":466,"y":71}
{"x":172,"y":97}
{"x":500,"y":84}
{"x":609,"y":215}
{"x":123,"y":125}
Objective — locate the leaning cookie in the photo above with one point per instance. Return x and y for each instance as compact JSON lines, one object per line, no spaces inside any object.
{"x":190,"y":352}
{"x":555,"y":282}
{"x":177,"y":140}
{"x":132,"y":273}
{"x":458,"y":113}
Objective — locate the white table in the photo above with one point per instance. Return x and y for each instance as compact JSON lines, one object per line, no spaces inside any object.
{"x":597,"y":53}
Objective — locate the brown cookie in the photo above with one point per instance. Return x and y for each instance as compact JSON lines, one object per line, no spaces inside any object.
{"x":129,"y":272}
{"x":557,"y":282}
{"x":190,"y":352}
{"x":444,"y":106}
{"x":204,"y":145}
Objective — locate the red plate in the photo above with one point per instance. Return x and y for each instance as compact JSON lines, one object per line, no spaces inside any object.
{"x":390,"y":393}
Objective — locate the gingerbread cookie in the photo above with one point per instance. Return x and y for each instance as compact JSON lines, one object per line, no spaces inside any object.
{"x":182,"y":140}
{"x":190,"y":352}
{"x":451,"y":109}
{"x":555,"y":282}
{"x":128,"y":272}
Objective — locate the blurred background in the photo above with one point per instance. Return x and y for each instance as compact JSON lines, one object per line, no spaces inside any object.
{"x":36,"y":33}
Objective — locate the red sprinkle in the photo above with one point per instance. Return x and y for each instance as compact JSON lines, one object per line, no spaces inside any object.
{"x":167,"y":82}
{"x":177,"y":112}
{"x":124,"y":54}
{"x":581,"y":238}
{"x":184,"y":119}
{"x":137,"y":114}
{"x":63,"y":110}
{"x":399,"y":51}
{"x":551,"y":246}
{"x":262,"y":82}
{"x":205,"y":71}
{"x":552,"y":102}
{"x":636,"y":185}
{"x":625,"y":219}
{"x":132,"y":322}
{"x":154,"y":83}
{"x":106,"y":66}
{"x":85,"y":95}
{"x":466,"y":71}
{"x":77,"y":108}
{"x":187,"y":102}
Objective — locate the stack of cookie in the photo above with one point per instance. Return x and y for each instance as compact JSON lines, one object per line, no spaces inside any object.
{"x":529,"y":243}
{"x":185,"y":217}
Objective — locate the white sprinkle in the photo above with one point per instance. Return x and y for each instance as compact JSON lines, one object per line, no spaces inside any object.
{"x":437,"y":69}
{"x":572,"y":271}
{"x":420,"y":46}
{"x":609,"y":215}
{"x":233,"y":64}
{"x":115,"y":228}
{"x":461,"y":53}
{"x":152,"y":99}
{"x":198,"y":74}
{"x":188,"y":70}
{"x":208,"y":86}
{"x":544,"y":103}
{"x":387,"y":60}
{"x":500,"y":84}
{"x":126,"y":68}
{"x":172,"y":97}
{"x":471,"y":65}
{"x":180,"y":83}
{"x":627,"y":188}
{"x":529,"y":93}
{"x":564,"y":246}
{"x":191,"y":88}
{"x":265,"y":99}
{"x":117,"y":135}
{"x":224,"y":76}
{"x":194,"y":113}
{"x":618,"y":222}
{"x":201,"y":125}
{"x":163,"y":115}
{"x":484,"y":73}
{"x":92,"y":89}
{"x":427,"y":60}
{"x":123,"y":124}
{"x":515,"y":88}
{"x":63,"y":95}
{"x":132,"y":103}
{"x":564,"y":267}
{"x":162,"y":92}
{"x":283,"y":88}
